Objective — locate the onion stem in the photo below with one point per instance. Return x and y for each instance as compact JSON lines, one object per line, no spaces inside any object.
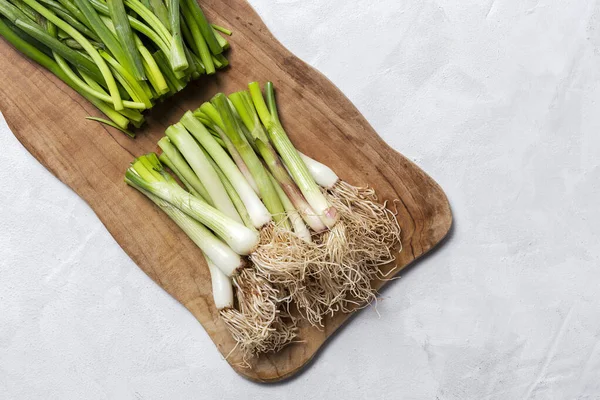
{"x":108,"y":77}
{"x":222,"y":255}
{"x":199,"y":40}
{"x":165,"y":160}
{"x":259,"y":173}
{"x":36,"y":55}
{"x":293,"y":161}
{"x":199,"y":163}
{"x":184,"y":169}
{"x":178,"y":56}
{"x":205,"y":28}
{"x":298,"y":224}
{"x":233,"y":195}
{"x":125,"y":37}
{"x":258,"y":213}
{"x":221,"y":287}
{"x":147,"y":173}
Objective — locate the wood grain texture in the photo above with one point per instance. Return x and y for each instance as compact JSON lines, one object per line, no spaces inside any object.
{"x":48,"y":118}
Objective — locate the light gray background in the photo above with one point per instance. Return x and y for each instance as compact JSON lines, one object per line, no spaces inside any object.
{"x":498,"y":100}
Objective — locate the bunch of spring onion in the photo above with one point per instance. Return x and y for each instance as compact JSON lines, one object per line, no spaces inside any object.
{"x":121,"y":55}
{"x":351,"y":233}
{"x":254,"y":317}
{"x":313,"y":241}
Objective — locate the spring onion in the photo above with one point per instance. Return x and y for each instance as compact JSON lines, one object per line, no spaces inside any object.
{"x":292,"y":160}
{"x":322,"y":254}
{"x":256,"y":209}
{"x":147,"y":173}
{"x":199,"y":162}
{"x":257,"y":169}
{"x":184,"y":170}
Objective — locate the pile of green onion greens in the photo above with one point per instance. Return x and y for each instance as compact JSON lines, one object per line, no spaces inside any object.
{"x":122,"y":55}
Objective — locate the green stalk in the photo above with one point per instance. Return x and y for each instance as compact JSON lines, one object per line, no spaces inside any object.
{"x":76,"y":46}
{"x":256,"y":134}
{"x":181,"y":75}
{"x":221,"y":29}
{"x":259,"y":214}
{"x":205,"y":28}
{"x":175,"y":157}
{"x":126,"y":84}
{"x":28,"y":13}
{"x":27,"y":38}
{"x":178,"y":56}
{"x":192,"y":70}
{"x":295,"y":219}
{"x":147,"y":173}
{"x":233,"y":194}
{"x":175,"y":85}
{"x":212,"y":113}
{"x":167,"y":161}
{"x":112,"y":125}
{"x":160,"y":10}
{"x":135,"y":88}
{"x":199,"y":40}
{"x":108,"y":77}
{"x":112,"y":42}
{"x":198,"y":62}
{"x":311,"y":191}
{"x":222,"y":41}
{"x":216,"y":125}
{"x":220,"y":61}
{"x":136,"y":117}
{"x":86,"y":88}
{"x":39,"y":57}
{"x":223,"y":145}
{"x":68,"y":18}
{"x":71,"y":19}
{"x":156,"y":78}
{"x":225,"y":259}
{"x":191,"y":151}
{"x":271,"y":103}
{"x":258,"y":171}
{"x":137,"y":25}
{"x":75,"y":12}
{"x":147,"y":90}
{"x":125,"y":38}
{"x":287,"y":184}
{"x":242,"y":102}
{"x":151,"y":19}
{"x":187,"y":34}
{"x":80,"y":83}
{"x":73,"y":56}
{"x":192,"y":47}
{"x":21,"y":21}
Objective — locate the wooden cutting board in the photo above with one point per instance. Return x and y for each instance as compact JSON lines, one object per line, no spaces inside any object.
{"x":48,"y":118}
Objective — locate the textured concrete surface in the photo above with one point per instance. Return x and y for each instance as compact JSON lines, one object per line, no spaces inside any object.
{"x":498,"y":100}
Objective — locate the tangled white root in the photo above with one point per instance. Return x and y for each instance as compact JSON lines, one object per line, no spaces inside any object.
{"x":364,"y":239}
{"x":370,"y":224}
{"x":259,"y":324}
{"x":335,"y":272}
{"x":293,"y":266}
{"x":283,"y":258}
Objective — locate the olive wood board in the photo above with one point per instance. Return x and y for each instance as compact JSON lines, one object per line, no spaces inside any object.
{"x":48,"y":118}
